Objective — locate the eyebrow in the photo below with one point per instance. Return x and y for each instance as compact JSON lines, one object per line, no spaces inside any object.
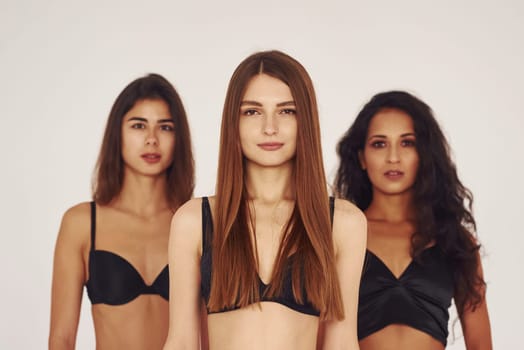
{"x":160,"y":121}
{"x":255,"y":103}
{"x":385,"y":137}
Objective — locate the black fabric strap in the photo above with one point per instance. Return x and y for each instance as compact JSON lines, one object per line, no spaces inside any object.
{"x":331,"y":208}
{"x":206,"y":223}
{"x":93,"y":225}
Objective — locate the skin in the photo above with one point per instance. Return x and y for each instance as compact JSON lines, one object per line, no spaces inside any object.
{"x":268,"y":117}
{"x":135,"y":225}
{"x":390,"y":145}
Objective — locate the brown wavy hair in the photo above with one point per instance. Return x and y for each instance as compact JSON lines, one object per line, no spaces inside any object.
{"x":109,"y":171}
{"x":234,"y":280}
{"x":443,"y":204}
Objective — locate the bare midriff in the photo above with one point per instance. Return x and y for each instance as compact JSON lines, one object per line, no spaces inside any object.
{"x":266,"y":325}
{"x":397,"y":336}
{"x":139,"y":324}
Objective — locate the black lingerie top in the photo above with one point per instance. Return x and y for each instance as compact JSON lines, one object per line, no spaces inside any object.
{"x":419,"y":298}
{"x":286,"y":298}
{"x":113,"y":280}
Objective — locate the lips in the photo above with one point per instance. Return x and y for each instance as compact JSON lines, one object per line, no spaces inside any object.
{"x":151,"y":157}
{"x":394,"y":174}
{"x":270,"y":146}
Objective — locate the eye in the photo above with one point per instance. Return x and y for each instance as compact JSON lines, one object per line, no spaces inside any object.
{"x":250,"y":112}
{"x":378,"y":144}
{"x":408,"y":143}
{"x":167,"y":127}
{"x":288,"y":111}
{"x":138,"y":126}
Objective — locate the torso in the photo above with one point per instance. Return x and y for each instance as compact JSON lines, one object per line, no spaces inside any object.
{"x":142,"y":322}
{"x":264,"y":325}
{"x":397,"y":336}
{"x":389,"y":254}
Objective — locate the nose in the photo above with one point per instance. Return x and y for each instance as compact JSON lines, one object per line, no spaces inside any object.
{"x":151,"y":139}
{"x":393,"y":154}
{"x":270,"y":125}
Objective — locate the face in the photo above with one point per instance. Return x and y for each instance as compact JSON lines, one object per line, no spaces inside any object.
{"x":390,"y":156}
{"x":268,"y":124}
{"x":148,"y":138}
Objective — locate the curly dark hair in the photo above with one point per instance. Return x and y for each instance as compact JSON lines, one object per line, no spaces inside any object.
{"x":443,"y":204}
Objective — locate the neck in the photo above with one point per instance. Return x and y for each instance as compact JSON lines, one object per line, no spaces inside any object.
{"x":270,"y":185}
{"x":142,"y":195}
{"x":391,"y":208}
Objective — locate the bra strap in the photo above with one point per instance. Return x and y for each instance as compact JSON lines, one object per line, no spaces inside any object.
{"x":93,"y":224}
{"x":207,"y":224}
{"x":331,"y":208}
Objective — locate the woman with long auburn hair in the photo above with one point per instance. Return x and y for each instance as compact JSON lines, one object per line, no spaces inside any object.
{"x":270,"y":255}
{"x":422,"y":249}
{"x":116,"y":245}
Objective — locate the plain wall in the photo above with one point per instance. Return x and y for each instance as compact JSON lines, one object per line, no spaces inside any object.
{"x":63,"y":64}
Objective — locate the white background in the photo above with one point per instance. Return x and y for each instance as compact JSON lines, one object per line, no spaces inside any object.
{"x":62,"y":64}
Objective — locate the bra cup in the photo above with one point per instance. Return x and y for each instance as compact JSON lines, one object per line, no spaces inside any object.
{"x":286,"y":298}
{"x":114,"y":281}
{"x":419,"y":298}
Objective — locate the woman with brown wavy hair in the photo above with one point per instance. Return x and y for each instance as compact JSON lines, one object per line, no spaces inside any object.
{"x":116,"y":245}
{"x":269,"y":255}
{"x":395,"y":165}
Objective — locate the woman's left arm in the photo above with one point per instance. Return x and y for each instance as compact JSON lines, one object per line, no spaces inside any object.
{"x":475,"y":323}
{"x":349,"y":238}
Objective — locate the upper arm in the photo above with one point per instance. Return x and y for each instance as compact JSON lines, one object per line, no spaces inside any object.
{"x":349,"y":235}
{"x":475,"y":323}
{"x":184,"y":277}
{"x":68,"y":276}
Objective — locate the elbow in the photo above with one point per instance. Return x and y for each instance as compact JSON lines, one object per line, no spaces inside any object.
{"x":61,"y":342}
{"x":177,"y":344}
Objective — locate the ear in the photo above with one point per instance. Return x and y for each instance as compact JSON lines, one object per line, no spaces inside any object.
{"x":361,"y":159}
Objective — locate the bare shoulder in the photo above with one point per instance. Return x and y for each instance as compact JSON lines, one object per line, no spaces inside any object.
{"x":77,"y":218}
{"x":76,"y":226}
{"x":346,"y":213}
{"x":186,"y":223}
{"x":349,"y":224}
{"x":189,"y":214}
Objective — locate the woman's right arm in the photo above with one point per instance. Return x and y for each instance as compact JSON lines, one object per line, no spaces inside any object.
{"x":68,"y":277}
{"x":184,"y":278}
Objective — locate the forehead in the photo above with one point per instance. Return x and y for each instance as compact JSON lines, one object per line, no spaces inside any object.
{"x":152,"y":108}
{"x":391,"y":122}
{"x":265,"y":87}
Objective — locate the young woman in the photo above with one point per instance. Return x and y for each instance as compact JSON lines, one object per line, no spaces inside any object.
{"x":117,"y":245}
{"x":264,"y":256}
{"x":422,"y":249}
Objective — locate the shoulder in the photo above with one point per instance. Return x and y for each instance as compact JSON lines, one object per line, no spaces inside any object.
{"x":349,"y":224}
{"x":188,"y":218}
{"x":78,"y":212}
{"x":76,"y":224}
{"x":347,"y":213}
{"x":188,"y":213}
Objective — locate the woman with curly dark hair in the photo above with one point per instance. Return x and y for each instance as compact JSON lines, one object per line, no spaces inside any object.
{"x":395,"y":165}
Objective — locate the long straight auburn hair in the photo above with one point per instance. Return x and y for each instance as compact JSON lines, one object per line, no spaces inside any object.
{"x":307,"y":235}
{"x":109,"y":171}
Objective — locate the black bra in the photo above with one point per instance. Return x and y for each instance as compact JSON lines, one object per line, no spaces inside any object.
{"x":286,"y":298}
{"x":419,"y":298}
{"x":113,"y":280}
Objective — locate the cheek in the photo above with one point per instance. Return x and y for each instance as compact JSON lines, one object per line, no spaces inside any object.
{"x":372,"y":160}
{"x":169,"y":142}
{"x":414,"y":161}
{"x":291,"y":127}
{"x":244,"y":134}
